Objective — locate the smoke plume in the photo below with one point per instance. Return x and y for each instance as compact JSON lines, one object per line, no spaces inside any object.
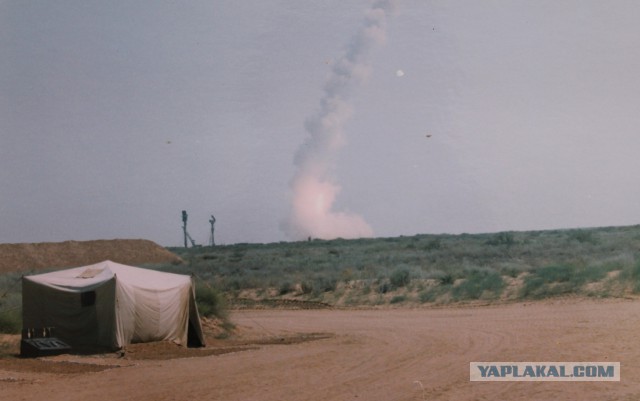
{"x":313,"y":187}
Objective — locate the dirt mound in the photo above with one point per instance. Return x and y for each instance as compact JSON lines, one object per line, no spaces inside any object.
{"x":44,"y":255}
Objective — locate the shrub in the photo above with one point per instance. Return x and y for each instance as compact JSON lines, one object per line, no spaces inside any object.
{"x":210,"y":302}
{"x":428,"y":295}
{"x":347,"y":275}
{"x":531,"y":287}
{"x":559,"y":279}
{"x":398,"y":299}
{"x":383,"y":288}
{"x":10,"y":321}
{"x":400,"y":278}
{"x":560,"y":274}
{"x":479,"y":284}
{"x":306,"y":287}
{"x":433,"y":245}
{"x":589,"y":274}
{"x":536,"y":288}
{"x":583,"y":236}
{"x":432,"y":294}
{"x":447,"y":279}
{"x":323,"y":284}
{"x":285,"y":288}
{"x":367,"y":289}
{"x":503,"y":238}
{"x":632,"y":274}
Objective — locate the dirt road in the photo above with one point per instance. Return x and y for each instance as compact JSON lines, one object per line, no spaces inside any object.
{"x":376,"y":355}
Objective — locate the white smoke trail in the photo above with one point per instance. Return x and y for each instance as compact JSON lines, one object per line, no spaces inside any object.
{"x":313,"y":187}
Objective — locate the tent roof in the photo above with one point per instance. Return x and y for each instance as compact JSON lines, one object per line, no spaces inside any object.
{"x":85,"y":277}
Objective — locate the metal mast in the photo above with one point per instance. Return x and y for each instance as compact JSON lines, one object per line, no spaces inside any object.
{"x":184,"y":230}
{"x":212,"y":241}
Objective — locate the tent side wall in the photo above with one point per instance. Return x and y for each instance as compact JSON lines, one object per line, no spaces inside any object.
{"x":79,"y":317}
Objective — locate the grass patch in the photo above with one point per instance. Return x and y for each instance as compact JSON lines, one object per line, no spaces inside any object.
{"x":323,"y":284}
{"x":398,"y":299}
{"x":550,"y":281}
{"x":631,"y":275}
{"x":590,"y":274}
{"x":479,"y":284}
{"x":10,"y":320}
{"x":432,"y":294}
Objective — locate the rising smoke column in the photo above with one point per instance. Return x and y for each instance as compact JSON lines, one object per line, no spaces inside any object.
{"x":313,"y":186}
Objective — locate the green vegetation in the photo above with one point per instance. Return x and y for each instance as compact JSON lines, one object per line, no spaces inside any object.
{"x":439,"y":269}
{"x":10,"y":303}
{"x":631,"y":274}
{"x":421,"y":269}
{"x":11,"y":321}
{"x":210,"y":301}
{"x":398,"y":299}
{"x":479,"y":284}
{"x":400,"y":278}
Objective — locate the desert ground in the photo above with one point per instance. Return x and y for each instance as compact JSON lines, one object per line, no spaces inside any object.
{"x":355,"y":354}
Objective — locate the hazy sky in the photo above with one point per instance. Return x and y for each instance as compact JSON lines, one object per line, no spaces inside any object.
{"x":117,"y":115}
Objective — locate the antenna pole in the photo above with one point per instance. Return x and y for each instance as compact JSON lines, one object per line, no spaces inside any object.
{"x":212,"y":241}
{"x":184,"y":227}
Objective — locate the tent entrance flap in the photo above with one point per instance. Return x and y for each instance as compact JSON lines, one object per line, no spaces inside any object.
{"x":195,"y":338}
{"x":80,"y":316}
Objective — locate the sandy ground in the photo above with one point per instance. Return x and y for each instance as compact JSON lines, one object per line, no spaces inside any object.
{"x":393,"y":354}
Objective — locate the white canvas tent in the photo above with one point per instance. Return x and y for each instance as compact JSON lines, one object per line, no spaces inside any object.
{"x":109,"y":304}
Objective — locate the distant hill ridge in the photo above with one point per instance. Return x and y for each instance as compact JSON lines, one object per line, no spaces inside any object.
{"x":44,"y":255}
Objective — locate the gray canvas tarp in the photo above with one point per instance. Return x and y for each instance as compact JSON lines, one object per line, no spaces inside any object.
{"x":109,"y":304}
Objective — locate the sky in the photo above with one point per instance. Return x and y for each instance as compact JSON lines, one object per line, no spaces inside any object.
{"x":460,"y":116}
